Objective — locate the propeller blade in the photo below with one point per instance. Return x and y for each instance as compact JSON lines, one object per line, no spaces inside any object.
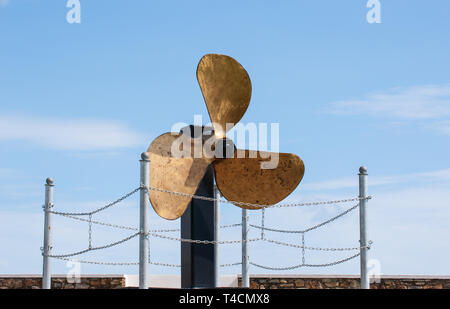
{"x":169,"y":171}
{"x":243,"y":179}
{"x":226,"y":88}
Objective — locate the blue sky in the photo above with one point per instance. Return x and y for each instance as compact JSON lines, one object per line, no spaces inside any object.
{"x":80,"y":102}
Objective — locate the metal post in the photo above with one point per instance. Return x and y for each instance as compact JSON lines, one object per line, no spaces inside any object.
{"x":245,"y":261}
{"x":46,"y":250}
{"x":365,"y":284}
{"x":198,"y":223}
{"x":144,"y":221}
{"x":216,"y":232}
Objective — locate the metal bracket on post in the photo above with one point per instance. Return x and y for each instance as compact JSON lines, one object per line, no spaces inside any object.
{"x":144,"y":221}
{"x":46,"y":250}
{"x":245,"y":261}
{"x":363,"y":195}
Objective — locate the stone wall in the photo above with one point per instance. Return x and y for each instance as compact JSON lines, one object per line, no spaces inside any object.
{"x":60,"y":282}
{"x":346,"y":282}
{"x":256,"y":281}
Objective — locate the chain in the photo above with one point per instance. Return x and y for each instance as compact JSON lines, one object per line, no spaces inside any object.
{"x":164,"y":264}
{"x":204,"y":242}
{"x":90,"y":231}
{"x":314,"y":248}
{"x":303,"y":249}
{"x":306,"y":265}
{"x":98,"y":222}
{"x":230,"y":225}
{"x":96,"y":262}
{"x":132,"y":263}
{"x":194,"y":241}
{"x":99,"y":209}
{"x":123,"y":227}
{"x":165,"y":230}
{"x":231,"y":264}
{"x":263,"y":211}
{"x":96,"y":248}
{"x":211,"y":199}
{"x":262,"y":227}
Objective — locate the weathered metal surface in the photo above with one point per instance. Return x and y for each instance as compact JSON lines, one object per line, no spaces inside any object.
{"x":243,"y":180}
{"x":170,"y":172}
{"x":226,"y":88}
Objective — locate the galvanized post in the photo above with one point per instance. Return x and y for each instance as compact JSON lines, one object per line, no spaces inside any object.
{"x":245,"y":261}
{"x":144,"y":221}
{"x":363,"y":227}
{"x":46,"y":250}
{"x":217,"y":233}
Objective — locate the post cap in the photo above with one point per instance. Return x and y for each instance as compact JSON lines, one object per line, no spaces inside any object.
{"x":363,"y":170}
{"x":49,"y":181}
{"x":145,"y":156}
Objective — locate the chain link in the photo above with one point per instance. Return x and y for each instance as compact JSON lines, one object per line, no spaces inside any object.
{"x":97,"y":262}
{"x":204,"y":242}
{"x":306,"y":265}
{"x":313,"y":248}
{"x":231,"y":264}
{"x":303,"y":249}
{"x":165,"y":264}
{"x":211,"y":199}
{"x":262,"y":227}
{"x":99,"y":209}
{"x":194,"y":241}
{"x":95,"y":248}
{"x":230,"y":225}
{"x":263,"y":211}
{"x":97,"y":222}
{"x":90,"y":231}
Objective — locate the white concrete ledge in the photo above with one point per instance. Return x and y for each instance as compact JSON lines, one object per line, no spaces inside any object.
{"x":174,"y":281}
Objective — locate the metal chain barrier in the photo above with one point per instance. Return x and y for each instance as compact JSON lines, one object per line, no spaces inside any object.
{"x":99,"y":209}
{"x":308,"y":229}
{"x":211,"y":199}
{"x":95,"y":248}
{"x":204,"y":242}
{"x":97,"y":262}
{"x":306,"y":265}
{"x":157,"y":232}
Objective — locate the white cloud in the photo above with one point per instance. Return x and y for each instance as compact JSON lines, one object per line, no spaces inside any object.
{"x":419,"y":103}
{"x":68,"y":134}
{"x":351,"y":182}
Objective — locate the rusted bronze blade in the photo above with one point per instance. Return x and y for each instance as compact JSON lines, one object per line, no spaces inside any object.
{"x":226,"y":88}
{"x":169,"y":171}
{"x":243,"y":179}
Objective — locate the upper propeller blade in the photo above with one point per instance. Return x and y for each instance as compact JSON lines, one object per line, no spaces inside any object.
{"x":169,"y":171}
{"x":226,"y":88}
{"x":243,"y":179}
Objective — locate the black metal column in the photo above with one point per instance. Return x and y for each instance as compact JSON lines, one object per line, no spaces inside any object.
{"x":197,"y":260}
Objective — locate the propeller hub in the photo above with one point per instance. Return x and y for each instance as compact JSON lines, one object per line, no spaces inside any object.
{"x":224,"y":148}
{"x":219,"y":148}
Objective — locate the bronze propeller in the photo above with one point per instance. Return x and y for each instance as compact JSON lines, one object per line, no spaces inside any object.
{"x":226,"y":88}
